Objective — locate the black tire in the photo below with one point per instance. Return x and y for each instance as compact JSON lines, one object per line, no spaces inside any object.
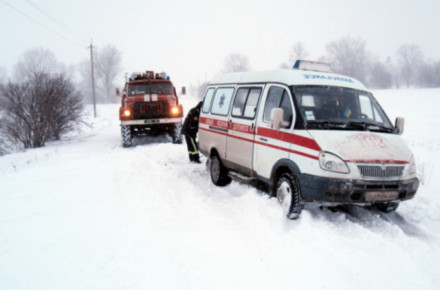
{"x":127,"y":138}
{"x":287,"y":192}
{"x":219,"y":174}
{"x":386,"y":206}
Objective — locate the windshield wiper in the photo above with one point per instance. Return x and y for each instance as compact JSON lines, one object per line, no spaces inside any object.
{"x":366,"y":126}
{"x":327,"y":124}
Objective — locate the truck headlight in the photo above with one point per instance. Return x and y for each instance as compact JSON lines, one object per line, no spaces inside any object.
{"x":127,"y":113}
{"x":175,"y":110}
{"x":331,"y":162}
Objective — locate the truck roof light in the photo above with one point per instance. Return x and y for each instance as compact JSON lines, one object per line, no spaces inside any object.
{"x":312,"y":65}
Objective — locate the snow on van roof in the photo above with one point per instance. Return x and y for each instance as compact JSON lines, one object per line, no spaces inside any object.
{"x":290,"y":77}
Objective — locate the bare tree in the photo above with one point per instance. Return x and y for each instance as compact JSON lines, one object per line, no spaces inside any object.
{"x":409,"y":59}
{"x":298,"y":51}
{"x":349,"y":56}
{"x":2,"y":74}
{"x":429,"y":75}
{"x":235,"y":62}
{"x":108,"y":67}
{"x":36,"y":61}
{"x":39,"y":109}
{"x":107,"y":63}
{"x":85,"y":85}
{"x":380,"y":75}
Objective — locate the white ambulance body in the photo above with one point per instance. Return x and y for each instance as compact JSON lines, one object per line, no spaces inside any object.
{"x":311,"y":136}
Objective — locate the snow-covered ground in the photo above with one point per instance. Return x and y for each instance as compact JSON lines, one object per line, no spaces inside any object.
{"x":85,"y":213}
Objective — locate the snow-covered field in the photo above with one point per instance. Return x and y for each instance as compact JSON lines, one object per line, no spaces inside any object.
{"x":85,"y":213}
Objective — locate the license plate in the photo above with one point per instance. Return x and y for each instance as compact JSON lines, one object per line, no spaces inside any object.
{"x":381,"y":195}
{"x":151,"y":121}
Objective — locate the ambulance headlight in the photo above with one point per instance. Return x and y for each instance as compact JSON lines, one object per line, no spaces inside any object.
{"x":412,"y":168}
{"x":331,"y":162}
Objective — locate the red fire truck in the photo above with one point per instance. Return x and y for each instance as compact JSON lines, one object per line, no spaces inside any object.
{"x":150,"y":107}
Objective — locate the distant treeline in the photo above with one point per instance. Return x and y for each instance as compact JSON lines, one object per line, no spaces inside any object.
{"x":350,"y":56}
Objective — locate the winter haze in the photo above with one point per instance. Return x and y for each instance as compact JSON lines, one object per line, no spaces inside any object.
{"x":190,"y":39}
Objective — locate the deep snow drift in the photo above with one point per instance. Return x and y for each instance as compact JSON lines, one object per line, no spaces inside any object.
{"x":86,"y":213}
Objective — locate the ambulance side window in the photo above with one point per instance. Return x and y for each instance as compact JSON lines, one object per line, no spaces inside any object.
{"x":222,"y":100}
{"x":245,"y":103}
{"x":207,"y":101}
{"x":239,"y":102}
{"x":278,"y":98}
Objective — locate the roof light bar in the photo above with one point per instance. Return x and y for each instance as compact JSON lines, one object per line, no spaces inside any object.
{"x":312,"y":65}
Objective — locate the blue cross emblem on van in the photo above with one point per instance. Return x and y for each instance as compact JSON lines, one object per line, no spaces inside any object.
{"x":222,"y":100}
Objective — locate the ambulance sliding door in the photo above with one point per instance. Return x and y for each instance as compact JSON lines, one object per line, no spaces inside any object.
{"x":241,"y":133}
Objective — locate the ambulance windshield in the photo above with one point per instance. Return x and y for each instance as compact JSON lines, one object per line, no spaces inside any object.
{"x":150,"y":88}
{"x":339,"y":108}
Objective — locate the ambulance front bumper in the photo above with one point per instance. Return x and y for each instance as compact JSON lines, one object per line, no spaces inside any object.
{"x":346,"y":191}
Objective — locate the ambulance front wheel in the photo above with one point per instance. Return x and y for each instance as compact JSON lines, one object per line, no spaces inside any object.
{"x":287,"y":193}
{"x":219,"y":174}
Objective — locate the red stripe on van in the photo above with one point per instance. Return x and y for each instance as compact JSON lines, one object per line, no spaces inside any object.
{"x":289,"y":137}
{"x":288,"y":150}
{"x":213,"y":122}
{"x":262,"y":143}
{"x":214,"y":131}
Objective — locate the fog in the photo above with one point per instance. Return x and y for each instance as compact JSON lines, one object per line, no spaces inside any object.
{"x":190,"y":39}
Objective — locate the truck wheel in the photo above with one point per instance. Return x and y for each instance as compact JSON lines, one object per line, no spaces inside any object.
{"x":219,"y":174}
{"x":127,"y":138}
{"x":386,"y":207}
{"x":286,"y":191}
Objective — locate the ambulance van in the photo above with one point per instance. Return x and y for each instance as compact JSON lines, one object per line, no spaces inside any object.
{"x":309,"y":135}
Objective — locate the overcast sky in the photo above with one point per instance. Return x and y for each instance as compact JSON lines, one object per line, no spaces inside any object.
{"x":190,"y":39}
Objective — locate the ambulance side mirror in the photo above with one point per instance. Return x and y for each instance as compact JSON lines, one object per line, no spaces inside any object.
{"x":277,"y":119}
{"x":399,"y":125}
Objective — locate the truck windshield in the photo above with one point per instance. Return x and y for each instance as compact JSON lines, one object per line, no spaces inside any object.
{"x":150,"y":88}
{"x":339,"y":108}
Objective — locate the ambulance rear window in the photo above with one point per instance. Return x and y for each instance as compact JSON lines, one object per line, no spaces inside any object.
{"x":208,"y":100}
{"x":222,"y":100}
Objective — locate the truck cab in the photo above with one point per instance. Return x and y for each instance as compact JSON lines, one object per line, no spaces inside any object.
{"x":309,"y":135}
{"x":150,"y":107}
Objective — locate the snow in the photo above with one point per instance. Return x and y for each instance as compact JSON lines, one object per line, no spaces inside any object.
{"x":85,"y":213}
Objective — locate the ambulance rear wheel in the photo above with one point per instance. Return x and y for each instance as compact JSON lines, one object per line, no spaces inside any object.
{"x":219,"y":174}
{"x":286,"y":191}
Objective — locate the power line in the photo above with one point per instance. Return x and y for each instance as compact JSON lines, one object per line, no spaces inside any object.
{"x":58,"y":22}
{"x":42,"y":25}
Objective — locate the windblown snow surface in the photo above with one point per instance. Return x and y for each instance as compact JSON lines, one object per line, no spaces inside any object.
{"x":85,"y":213}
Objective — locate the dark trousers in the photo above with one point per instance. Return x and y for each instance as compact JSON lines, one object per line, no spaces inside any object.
{"x":193,"y":148}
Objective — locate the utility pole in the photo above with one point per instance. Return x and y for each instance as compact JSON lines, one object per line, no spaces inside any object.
{"x":93,"y":77}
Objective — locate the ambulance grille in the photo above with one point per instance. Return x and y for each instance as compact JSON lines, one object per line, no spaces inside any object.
{"x":378,"y":171}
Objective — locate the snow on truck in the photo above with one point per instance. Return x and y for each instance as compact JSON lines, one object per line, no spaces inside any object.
{"x":150,"y":107}
{"x":311,"y":135}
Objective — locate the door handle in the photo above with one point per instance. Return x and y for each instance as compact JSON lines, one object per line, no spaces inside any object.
{"x":263,"y":139}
